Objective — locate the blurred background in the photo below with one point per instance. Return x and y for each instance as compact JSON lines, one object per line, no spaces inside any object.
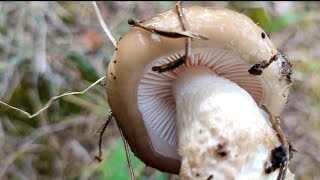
{"x":48,"y":48}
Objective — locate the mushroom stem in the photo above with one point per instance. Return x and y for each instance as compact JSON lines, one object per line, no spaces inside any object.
{"x":222,"y":132}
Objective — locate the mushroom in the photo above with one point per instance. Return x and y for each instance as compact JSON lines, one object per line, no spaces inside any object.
{"x":203,"y":118}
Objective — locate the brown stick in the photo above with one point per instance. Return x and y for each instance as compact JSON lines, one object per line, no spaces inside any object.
{"x":102,"y":128}
{"x":261,"y":65}
{"x":169,"y":34}
{"x":184,"y":28}
{"x":275,"y":121}
{"x":101,"y":131}
{"x":180,"y":61}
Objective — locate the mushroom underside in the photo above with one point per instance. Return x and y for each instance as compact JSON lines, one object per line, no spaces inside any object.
{"x":155,"y":92}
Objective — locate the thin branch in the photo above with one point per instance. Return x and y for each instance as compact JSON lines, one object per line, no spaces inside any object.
{"x":126,"y":148}
{"x":183,"y":59}
{"x":261,"y":65}
{"x":101,"y":131}
{"x":283,"y":168}
{"x":184,"y":25}
{"x":169,"y":34}
{"x":275,"y":121}
{"x":181,"y":16}
{"x":51,"y":100}
{"x":103,"y":24}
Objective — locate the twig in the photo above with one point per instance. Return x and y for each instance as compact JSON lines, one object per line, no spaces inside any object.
{"x":283,"y":168}
{"x":101,"y":131}
{"x":181,"y":16}
{"x":261,"y":65}
{"x":181,"y":60}
{"x":184,"y":27}
{"x":275,"y":121}
{"x":54,"y":98}
{"x":126,"y":148}
{"x":169,"y":34}
{"x":103,"y":24}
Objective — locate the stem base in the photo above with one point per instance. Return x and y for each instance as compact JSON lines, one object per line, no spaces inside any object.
{"x":222,"y":132}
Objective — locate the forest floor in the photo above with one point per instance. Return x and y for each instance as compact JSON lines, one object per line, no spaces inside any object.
{"x":48,"y":48}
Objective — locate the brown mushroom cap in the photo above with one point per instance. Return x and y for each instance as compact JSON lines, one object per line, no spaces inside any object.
{"x":142,"y":100}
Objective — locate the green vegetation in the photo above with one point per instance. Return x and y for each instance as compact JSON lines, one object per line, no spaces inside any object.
{"x":116,"y":167}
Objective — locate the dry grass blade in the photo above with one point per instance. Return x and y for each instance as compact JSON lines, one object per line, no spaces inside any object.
{"x":51,"y":100}
{"x":126,"y":148}
{"x":103,"y":24}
